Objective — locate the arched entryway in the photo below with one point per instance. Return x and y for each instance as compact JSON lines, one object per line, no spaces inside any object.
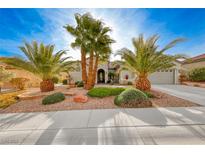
{"x":101,"y":76}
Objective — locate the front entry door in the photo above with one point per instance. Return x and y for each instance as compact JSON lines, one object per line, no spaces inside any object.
{"x":101,"y":76}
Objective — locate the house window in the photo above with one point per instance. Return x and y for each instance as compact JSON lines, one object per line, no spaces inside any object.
{"x":126,"y":77}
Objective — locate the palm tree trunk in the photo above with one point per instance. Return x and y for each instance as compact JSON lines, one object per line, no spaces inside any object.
{"x":90,"y":72}
{"x":143,"y":82}
{"x":83,"y":66}
{"x":47,"y":85}
{"x":95,"y":70}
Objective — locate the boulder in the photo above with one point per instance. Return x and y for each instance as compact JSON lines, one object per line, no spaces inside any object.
{"x":68,"y":93}
{"x":80,"y":99}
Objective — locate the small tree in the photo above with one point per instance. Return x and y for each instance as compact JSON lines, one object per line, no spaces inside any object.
{"x":5,"y":76}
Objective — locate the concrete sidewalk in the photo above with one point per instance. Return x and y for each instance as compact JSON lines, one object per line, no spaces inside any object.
{"x":111,"y":126}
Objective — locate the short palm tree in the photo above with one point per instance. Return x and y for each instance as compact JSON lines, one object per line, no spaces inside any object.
{"x":147,"y":58}
{"x":41,"y":61}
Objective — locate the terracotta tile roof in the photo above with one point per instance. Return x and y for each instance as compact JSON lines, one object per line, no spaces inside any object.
{"x":195,"y":59}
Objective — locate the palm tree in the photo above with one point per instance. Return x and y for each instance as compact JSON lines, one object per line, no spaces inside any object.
{"x":80,"y":32}
{"x":147,"y":58}
{"x":91,"y":36}
{"x":5,"y":76}
{"x":41,"y":61}
{"x":100,"y":49}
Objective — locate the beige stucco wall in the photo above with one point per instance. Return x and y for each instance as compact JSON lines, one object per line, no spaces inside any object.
{"x":122,"y":75}
{"x":77,"y":75}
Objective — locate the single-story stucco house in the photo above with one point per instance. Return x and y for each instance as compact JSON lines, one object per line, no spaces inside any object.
{"x":168,"y":76}
{"x":194,"y":62}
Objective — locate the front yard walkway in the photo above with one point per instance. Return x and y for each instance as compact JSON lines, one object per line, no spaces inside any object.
{"x":109,"y":126}
{"x":194,"y":94}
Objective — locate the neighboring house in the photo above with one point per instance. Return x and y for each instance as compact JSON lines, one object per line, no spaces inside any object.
{"x":194,"y":62}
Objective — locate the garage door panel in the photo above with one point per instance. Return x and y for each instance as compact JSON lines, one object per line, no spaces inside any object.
{"x":162,"y":78}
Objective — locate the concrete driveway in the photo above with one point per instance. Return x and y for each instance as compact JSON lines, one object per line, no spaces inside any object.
{"x":110,"y":126}
{"x":194,"y":94}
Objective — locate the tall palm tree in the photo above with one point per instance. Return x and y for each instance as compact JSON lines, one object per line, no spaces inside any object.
{"x":102,"y":53}
{"x":41,"y":61}
{"x":80,"y":32}
{"x":91,"y":36}
{"x":100,"y":42}
{"x":147,"y":58}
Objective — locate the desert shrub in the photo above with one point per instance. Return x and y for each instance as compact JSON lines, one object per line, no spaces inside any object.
{"x":65,"y":82}
{"x":19,"y":83}
{"x":129,"y":83}
{"x":132,"y":98}
{"x":8,"y":99}
{"x":79,"y":83}
{"x":55,"y":79}
{"x":182,"y":78}
{"x":197,"y":74}
{"x":53,"y":98}
{"x":148,"y":94}
{"x":104,"y":92}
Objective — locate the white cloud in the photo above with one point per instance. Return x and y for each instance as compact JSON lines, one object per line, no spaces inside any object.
{"x":123,"y":28}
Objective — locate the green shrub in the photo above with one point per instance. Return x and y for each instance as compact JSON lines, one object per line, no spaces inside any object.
{"x":129,"y":83}
{"x":148,"y":94}
{"x":104,"y":92}
{"x":79,"y":83}
{"x":131,"y":97}
{"x":55,"y":79}
{"x":65,"y":82}
{"x":54,"y":98}
{"x":197,"y":74}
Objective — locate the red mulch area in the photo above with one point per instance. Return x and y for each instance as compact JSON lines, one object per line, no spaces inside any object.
{"x":194,"y":84}
{"x":35,"y":105}
{"x":165,"y":100}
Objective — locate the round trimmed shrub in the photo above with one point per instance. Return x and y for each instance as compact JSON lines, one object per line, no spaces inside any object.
{"x":197,"y":74}
{"x":105,"y":91}
{"x":129,"y":83}
{"x":79,"y":83}
{"x":54,"y":98}
{"x":55,"y":80}
{"x":65,"y":82}
{"x":132,"y":98}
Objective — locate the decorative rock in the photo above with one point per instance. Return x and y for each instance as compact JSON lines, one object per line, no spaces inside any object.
{"x":68,"y":93}
{"x":80,"y":99}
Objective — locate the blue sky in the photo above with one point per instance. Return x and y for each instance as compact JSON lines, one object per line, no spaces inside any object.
{"x":46,"y":25}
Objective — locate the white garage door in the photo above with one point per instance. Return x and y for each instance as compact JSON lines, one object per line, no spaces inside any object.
{"x":162,"y":77}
